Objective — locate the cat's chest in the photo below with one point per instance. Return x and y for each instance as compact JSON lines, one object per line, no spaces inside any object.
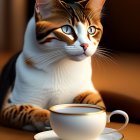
{"x":60,"y":83}
{"x":63,"y":87}
{"x":65,"y":79}
{"x":67,"y":76}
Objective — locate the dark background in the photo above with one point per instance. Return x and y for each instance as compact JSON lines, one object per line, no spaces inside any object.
{"x":122,"y":25}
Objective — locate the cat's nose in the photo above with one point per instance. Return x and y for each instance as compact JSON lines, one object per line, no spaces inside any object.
{"x":84,"y":46}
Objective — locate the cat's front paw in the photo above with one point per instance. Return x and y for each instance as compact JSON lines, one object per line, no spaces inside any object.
{"x":40,"y":120}
{"x":89,"y":98}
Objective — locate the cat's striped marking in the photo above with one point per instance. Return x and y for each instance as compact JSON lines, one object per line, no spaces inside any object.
{"x":47,"y":40}
{"x":18,"y":116}
{"x":29,"y":62}
{"x":89,"y":97}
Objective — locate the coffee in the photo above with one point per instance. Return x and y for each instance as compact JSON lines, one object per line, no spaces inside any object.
{"x":78,"y":110}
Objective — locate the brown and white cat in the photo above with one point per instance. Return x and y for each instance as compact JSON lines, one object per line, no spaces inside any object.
{"x":55,"y":64}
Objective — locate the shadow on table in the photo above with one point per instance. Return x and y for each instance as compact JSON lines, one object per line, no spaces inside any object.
{"x":116,"y":101}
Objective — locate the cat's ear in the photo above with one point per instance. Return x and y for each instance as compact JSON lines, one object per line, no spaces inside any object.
{"x":83,"y":2}
{"x":40,"y":4}
{"x":95,"y":4}
{"x":42,"y":7}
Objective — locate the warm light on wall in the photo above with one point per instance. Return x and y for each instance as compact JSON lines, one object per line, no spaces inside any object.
{"x":13,"y":16}
{"x":18,"y":14}
{"x":1,"y":24}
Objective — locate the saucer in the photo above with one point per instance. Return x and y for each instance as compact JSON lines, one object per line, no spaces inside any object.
{"x":51,"y":135}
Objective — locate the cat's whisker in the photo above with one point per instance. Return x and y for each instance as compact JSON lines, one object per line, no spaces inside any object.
{"x":33,"y":57}
{"x":106,"y":56}
{"x":96,"y":60}
{"x":40,"y":59}
{"x":110,"y":59}
{"x":99,"y":63}
{"x":51,"y":58}
{"x":105,"y":53}
{"x":105,"y":49}
{"x":102,"y":63}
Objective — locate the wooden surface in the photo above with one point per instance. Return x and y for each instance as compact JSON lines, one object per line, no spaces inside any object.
{"x":13,"y":134}
{"x":131,"y":132}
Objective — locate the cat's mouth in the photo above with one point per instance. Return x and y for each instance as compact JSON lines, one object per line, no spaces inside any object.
{"x":84,"y":53}
{"x":79,"y":57}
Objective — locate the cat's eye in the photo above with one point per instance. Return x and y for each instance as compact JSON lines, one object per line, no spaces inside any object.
{"x":92,"y":30}
{"x":67,"y":29}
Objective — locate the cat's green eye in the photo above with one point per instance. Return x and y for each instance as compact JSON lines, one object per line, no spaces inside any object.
{"x":92,"y":30}
{"x":67,"y":29}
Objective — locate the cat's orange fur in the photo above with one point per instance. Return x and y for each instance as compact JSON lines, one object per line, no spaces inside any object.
{"x":18,"y":116}
{"x":89,"y":97}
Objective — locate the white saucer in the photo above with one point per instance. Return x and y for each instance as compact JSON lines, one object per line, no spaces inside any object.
{"x":51,"y":135}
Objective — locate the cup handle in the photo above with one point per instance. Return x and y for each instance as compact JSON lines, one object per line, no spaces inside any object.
{"x":121,"y":113}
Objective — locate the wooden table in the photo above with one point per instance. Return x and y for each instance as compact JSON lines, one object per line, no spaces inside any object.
{"x":131,"y":132}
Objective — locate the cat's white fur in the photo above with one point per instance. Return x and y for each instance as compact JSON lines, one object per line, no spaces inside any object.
{"x":54,"y":78}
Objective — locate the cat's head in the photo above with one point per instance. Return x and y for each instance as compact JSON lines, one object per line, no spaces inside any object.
{"x":72,"y":28}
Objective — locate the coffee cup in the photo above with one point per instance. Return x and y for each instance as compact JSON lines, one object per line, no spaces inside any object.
{"x":81,"y":121}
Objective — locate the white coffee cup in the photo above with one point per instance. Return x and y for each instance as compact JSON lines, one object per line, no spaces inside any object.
{"x":81,"y":121}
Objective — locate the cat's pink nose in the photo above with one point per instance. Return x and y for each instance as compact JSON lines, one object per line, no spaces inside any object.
{"x":84,"y":46}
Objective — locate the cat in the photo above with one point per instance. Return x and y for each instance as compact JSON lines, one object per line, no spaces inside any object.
{"x":54,"y":66}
